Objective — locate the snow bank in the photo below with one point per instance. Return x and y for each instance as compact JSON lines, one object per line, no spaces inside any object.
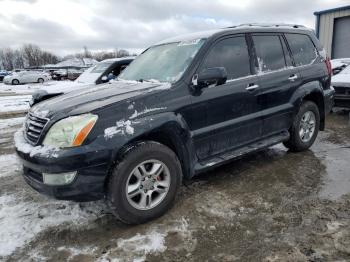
{"x":23,"y":146}
{"x":21,"y":221}
{"x":11,"y":122}
{"x":10,"y":104}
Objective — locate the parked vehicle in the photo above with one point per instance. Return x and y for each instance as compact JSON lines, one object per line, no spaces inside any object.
{"x":93,"y":76}
{"x":341,"y":84}
{"x":25,"y":77}
{"x":339,"y":64}
{"x":3,"y":73}
{"x":185,"y":105}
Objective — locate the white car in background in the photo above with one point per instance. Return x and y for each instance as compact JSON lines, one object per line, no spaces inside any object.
{"x":25,"y":77}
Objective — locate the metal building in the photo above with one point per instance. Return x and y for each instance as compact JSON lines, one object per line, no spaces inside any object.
{"x":333,"y":30}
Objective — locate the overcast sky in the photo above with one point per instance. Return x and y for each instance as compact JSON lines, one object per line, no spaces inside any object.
{"x":65,"y":26}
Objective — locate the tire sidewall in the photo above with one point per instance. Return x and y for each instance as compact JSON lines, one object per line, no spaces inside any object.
{"x":15,"y":82}
{"x":307,"y":106}
{"x":117,"y":185}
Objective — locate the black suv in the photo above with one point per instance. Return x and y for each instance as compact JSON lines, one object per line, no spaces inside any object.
{"x":185,"y":105}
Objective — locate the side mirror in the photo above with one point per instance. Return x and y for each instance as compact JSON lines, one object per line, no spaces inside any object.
{"x":104,"y":79}
{"x":210,"y":76}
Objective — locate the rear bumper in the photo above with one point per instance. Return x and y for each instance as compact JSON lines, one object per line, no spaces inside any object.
{"x":90,"y":164}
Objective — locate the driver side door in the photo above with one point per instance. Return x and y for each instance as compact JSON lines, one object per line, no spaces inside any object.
{"x":232,"y":112}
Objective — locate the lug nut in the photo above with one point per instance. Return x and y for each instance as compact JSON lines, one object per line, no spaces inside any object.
{"x":145,"y":191}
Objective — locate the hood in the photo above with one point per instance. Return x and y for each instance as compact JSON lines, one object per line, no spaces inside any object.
{"x":342,"y":79}
{"x":63,"y":87}
{"x":87,"y":100}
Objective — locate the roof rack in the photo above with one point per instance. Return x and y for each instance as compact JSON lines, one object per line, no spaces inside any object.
{"x":267,"y":25}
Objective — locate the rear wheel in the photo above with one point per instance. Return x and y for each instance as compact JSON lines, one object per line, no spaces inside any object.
{"x":305,"y":127}
{"x":40,"y":80}
{"x":144,"y":183}
{"x":15,"y":82}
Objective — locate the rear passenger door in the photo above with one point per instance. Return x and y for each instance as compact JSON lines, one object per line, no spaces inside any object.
{"x":306,"y":57}
{"x":278,"y":79}
{"x":232,"y":110}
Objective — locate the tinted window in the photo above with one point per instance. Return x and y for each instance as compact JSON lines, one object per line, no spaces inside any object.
{"x":303,"y":50}
{"x":269,"y":52}
{"x":231,"y":53}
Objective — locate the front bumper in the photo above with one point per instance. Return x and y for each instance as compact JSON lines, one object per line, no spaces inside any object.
{"x":91,"y":164}
{"x":342,"y":97}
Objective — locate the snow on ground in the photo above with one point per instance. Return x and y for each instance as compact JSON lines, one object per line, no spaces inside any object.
{"x":19,"y":89}
{"x":11,"y":122}
{"x":14,"y":104}
{"x":21,"y":220}
{"x":9,"y":165}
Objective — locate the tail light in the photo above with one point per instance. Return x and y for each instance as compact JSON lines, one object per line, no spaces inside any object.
{"x":329,"y":66}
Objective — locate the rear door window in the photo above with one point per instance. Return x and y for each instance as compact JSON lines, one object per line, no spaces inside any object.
{"x":269,"y":52}
{"x":231,"y":53}
{"x":303,"y":50}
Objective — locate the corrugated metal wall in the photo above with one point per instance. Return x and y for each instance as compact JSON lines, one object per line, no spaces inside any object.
{"x":326,"y":25}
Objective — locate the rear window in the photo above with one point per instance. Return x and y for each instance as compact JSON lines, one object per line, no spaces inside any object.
{"x":303,"y":50}
{"x":232,"y":54}
{"x":269,"y":52}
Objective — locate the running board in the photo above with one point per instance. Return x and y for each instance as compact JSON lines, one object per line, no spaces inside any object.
{"x":227,"y":156}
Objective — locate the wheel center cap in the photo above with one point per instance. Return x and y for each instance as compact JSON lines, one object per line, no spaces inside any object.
{"x":147,"y":184}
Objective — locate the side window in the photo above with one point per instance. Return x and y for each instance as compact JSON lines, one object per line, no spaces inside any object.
{"x":303,"y":50}
{"x":231,"y":53}
{"x":269,"y":52}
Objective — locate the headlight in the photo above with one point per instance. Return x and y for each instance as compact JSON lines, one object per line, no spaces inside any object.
{"x":71,"y":131}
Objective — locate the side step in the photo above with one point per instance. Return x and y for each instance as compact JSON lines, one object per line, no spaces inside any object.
{"x":229,"y":155}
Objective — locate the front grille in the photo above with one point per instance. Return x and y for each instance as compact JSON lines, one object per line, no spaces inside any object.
{"x":342,"y":90}
{"x":34,"y":126}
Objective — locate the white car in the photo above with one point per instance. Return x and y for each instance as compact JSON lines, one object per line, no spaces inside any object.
{"x":101,"y":73}
{"x":25,"y":77}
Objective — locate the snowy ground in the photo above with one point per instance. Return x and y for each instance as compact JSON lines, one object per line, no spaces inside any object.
{"x":270,"y":206}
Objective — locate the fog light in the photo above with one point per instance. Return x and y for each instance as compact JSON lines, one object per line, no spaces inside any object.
{"x":59,"y":179}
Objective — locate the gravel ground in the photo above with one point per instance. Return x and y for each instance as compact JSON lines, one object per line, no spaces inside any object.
{"x":269,"y":206}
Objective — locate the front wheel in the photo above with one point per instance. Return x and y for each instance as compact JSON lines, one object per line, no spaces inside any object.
{"x":305,"y":127}
{"x":15,"y":82}
{"x":145,"y":182}
{"x":40,"y":80}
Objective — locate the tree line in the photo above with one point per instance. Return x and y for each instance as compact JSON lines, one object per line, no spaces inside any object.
{"x":30,"y":55}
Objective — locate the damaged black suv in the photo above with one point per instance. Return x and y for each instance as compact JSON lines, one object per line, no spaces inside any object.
{"x":185,"y":105}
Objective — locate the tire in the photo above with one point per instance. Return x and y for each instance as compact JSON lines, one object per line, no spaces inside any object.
{"x":41,"y":80}
{"x":15,"y":82}
{"x":297,"y":142}
{"x":126,"y":208}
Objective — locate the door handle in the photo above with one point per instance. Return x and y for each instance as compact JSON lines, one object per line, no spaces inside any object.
{"x":293,"y":77}
{"x":251,"y":87}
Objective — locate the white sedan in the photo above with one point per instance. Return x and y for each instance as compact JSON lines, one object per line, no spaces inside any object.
{"x":25,"y":77}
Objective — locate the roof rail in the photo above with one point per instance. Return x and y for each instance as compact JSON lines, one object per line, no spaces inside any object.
{"x":267,"y":25}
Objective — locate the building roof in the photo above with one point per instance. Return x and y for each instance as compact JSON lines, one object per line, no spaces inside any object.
{"x":347,"y":7}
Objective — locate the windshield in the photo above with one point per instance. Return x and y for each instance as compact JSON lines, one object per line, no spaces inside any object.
{"x":93,"y":73}
{"x":101,"y":67}
{"x":163,"y":63}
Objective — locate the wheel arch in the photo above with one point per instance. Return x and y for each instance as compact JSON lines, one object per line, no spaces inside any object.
{"x":168,"y":129}
{"x":311,"y":91}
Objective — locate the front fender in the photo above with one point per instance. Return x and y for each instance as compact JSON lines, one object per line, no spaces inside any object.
{"x":168,"y":124}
